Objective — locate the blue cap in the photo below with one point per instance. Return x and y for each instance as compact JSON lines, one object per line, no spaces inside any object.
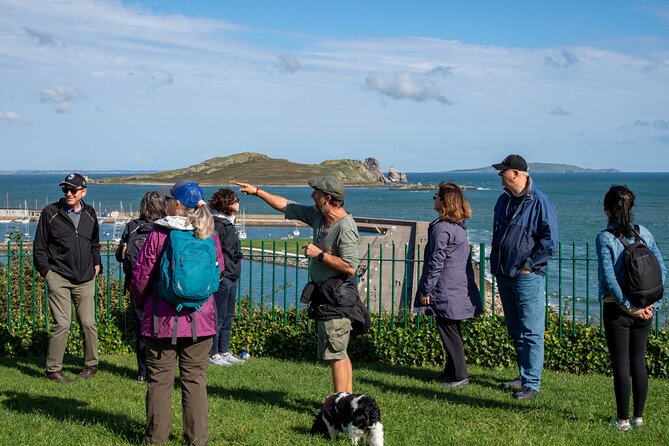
{"x":187,"y":192}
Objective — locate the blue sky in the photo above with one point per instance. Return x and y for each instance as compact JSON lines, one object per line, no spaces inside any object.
{"x":422,"y":86}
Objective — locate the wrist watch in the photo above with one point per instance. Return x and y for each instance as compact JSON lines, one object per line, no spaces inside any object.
{"x":320,"y":256}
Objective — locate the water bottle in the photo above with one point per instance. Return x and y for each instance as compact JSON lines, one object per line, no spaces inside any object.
{"x":245,"y":354}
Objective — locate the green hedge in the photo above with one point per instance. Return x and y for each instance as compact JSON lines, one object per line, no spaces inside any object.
{"x":486,"y":340}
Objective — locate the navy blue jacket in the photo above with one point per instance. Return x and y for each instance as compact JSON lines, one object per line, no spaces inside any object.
{"x":526,"y":239}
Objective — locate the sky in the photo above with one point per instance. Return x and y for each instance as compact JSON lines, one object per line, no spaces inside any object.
{"x":423,"y":86}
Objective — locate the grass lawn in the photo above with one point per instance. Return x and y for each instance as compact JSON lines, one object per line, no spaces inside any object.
{"x":272,"y":402}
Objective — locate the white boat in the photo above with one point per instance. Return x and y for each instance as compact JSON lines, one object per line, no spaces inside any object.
{"x":296,"y":231}
{"x":24,"y":221}
{"x":241,"y":232}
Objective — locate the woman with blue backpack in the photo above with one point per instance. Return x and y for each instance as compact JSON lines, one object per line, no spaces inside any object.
{"x":173,"y":282}
{"x":631,"y":274}
{"x":151,"y":208}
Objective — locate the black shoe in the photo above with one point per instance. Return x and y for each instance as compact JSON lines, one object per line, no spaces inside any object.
{"x":525,"y":393}
{"x":515,"y":384}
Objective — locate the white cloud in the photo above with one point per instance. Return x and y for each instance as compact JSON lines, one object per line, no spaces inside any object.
{"x":559,"y":112}
{"x":441,"y":71}
{"x":661,"y":125}
{"x":42,"y":38}
{"x":60,"y":96}
{"x":153,"y":78}
{"x":562,"y":60}
{"x":404,"y":86}
{"x":9,"y":116}
{"x":640,"y":123}
{"x":288,"y":64}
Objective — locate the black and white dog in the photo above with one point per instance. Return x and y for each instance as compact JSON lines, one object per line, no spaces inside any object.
{"x":356,"y":414}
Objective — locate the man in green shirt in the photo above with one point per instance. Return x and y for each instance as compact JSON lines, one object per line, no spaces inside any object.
{"x":334,"y":252}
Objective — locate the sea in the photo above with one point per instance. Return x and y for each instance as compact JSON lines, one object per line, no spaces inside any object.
{"x":577,"y":197}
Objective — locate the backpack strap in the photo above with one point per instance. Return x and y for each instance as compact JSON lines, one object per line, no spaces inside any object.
{"x":192,"y":327}
{"x":175,"y":329}
{"x":155,"y":314}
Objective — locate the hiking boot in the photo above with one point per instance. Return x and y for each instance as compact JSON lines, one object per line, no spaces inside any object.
{"x":231,"y":359}
{"x":88,"y":372}
{"x":515,"y":384}
{"x":456,"y":384}
{"x":525,"y":393}
{"x":57,"y":377}
{"x":218,"y":360}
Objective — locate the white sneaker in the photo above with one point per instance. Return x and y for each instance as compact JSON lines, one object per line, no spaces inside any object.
{"x":231,"y":359}
{"x":219,"y":360}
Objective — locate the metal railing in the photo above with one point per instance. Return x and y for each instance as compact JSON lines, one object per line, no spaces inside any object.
{"x":273,"y":274}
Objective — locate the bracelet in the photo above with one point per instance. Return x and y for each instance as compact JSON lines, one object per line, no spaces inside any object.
{"x":257,"y":189}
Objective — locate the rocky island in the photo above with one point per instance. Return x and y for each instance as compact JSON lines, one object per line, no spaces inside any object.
{"x":260,"y":169}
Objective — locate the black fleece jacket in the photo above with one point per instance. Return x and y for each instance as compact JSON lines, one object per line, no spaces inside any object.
{"x":60,"y":247}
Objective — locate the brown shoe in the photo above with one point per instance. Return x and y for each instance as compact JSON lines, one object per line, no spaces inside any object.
{"x":88,"y":372}
{"x":57,"y":377}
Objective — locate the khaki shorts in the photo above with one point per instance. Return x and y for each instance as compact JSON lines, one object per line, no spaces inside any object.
{"x":333,"y":336}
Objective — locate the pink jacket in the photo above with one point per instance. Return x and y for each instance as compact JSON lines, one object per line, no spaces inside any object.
{"x":145,"y":272}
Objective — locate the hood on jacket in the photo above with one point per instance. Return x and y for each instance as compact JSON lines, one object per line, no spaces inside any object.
{"x":230,"y":218}
{"x":175,"y":222}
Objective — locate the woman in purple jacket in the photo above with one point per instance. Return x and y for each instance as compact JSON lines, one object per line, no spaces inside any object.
{"x":447,"y":288}
{"x":186,"y":211}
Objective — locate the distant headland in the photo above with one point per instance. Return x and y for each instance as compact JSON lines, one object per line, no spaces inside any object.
{"x":540,"y":168}
{"x":260,"y":169}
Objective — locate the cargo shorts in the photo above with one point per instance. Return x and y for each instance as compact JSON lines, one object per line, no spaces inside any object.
{"x":333,"y":336}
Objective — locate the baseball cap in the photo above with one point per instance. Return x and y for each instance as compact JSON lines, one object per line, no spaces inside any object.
{"x":329,"y":185}
{"x":189,"y":193}
{"x":516,"y":162}
{"x":74,"y":180}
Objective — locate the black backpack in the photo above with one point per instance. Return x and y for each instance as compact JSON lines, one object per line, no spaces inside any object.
{"x":136,"y":239}
{"x":642,"y":275}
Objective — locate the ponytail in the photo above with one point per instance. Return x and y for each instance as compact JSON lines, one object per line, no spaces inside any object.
{"x":201,"y":220}
{"x":619,"y":201}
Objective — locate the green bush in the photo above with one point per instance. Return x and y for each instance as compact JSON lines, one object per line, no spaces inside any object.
{"x":486,"y":341}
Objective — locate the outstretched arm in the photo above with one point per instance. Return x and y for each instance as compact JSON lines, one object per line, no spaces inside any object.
{"x":276,"y":201}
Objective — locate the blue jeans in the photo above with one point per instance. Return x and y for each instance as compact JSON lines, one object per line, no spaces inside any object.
{"x":225,"y":299}
{"x":524,"y":313}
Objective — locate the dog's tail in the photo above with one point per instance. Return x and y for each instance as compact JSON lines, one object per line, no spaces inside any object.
{"x":375,"y":436}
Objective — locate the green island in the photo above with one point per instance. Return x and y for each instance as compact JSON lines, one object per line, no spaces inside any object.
{"x":287,"y":245}
{"x":260,"y":169}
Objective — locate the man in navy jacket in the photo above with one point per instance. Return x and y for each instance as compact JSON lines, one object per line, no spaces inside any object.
{"x":525,"y":235}
{"x":67,"y":254}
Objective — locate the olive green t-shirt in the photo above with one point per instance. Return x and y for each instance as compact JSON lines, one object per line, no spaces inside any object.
{"x":341,"y":239}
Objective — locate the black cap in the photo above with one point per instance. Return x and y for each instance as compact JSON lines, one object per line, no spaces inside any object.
{"x":329,"y":185}
{"x":74,"y":180}
{"x":515,"y":162}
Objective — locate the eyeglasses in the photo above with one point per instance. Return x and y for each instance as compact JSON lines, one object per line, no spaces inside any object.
{"x":72,"y":190}
{"x":436,"y":196}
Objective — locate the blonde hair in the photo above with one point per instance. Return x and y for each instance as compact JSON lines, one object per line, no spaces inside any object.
{"x":454,"y":206}
{"x":201,"y":220}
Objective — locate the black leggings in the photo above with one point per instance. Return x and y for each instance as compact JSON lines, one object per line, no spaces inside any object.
{"x":627,"y":337}
{"x":449,"y":331}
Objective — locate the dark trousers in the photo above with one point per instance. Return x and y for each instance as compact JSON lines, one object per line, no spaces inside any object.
{"x":456,"y":367}
{"x":225,"y":299}
{"x":140,"y":346}
{"x":161,"y":361}
{"x":627,"y":337}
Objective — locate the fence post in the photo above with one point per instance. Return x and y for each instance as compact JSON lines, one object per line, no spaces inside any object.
{"x":262,"y":279}
{"x":587,"y":283}
{"x":21,"y":276}
{"x":559,"y":288}
{"x":273,"y":276}
{"x":573,"y":288}
{"x":392,"y":291}
{"x":9,"y":286}
{"x":380,"y":296}
{"x":297,"y":283}
{"x":482,"y":275}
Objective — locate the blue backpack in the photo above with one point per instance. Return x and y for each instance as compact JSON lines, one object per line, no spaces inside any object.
{"x":189,"y":271}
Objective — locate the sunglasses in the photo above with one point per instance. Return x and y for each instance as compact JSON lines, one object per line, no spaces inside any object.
{"x":436,"y":196}
{"x":72,"y":190}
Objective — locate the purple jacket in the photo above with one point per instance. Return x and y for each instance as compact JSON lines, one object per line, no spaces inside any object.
{"x":448,"y":276}
{"x":142,"y":292}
